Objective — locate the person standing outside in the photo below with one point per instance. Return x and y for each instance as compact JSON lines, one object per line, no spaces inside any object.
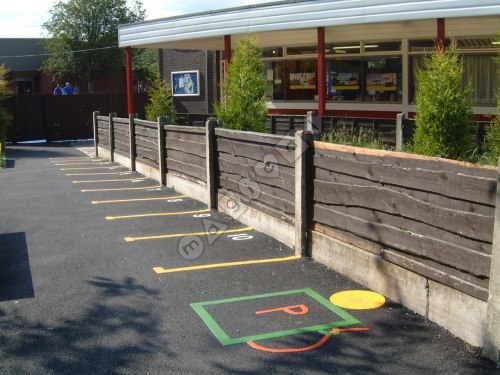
{"x":69,"y":89}
{"x":59,"y":90}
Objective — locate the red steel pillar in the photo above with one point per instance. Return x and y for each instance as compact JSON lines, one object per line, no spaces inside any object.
{"x":227,"y":51}
{"x":321,"y":72}
{"x":130,"y":81}
{"x":441,"y":37}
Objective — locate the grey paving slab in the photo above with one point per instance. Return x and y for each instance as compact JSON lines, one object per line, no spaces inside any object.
{"x":77,"y":298}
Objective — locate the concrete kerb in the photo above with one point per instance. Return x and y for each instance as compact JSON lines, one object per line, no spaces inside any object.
{"x":462,"y":315}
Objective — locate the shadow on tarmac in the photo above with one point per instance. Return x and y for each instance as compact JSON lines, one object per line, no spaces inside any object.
{"x":15,"y":273}
{"x":108,"y":337}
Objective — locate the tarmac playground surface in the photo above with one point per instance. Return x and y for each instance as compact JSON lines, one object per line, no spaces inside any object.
{"x":103,"y":271}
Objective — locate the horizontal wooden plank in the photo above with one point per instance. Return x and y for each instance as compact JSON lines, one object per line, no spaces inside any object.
{"x":428,"y":197}
{"x":407,"y":160}
{"x":187,"y":158}
{"x":103,"y":124}
{"x":469,"y":188}
{"x":122,"y":137}
{"x":185,"y":129}
{"x":188,"y":137}
{"x":475,"y":226}
{"x":146,"y":124}
{"x":122,"y":145}
{"x":410,"y":225}
{"x":103,"y":140}
{"x":260,"y":187}
{"x":193,"y":148}
{"x":251,"y":192}
{"x":477,"y":288}
{"x":269,"y":164}
{"x":259,"y":152}
{"x":120,"y":121}
{"x":237,"y":199}
{"x":190,"y":170}
{"x":347,"y":237}
{"x":146,"y":132}
{"x":149,"y":143}
{"x":121,"y":152}
{"x":461,"y":258}
{"x":103,"y":118}
{"x":258,"y":173}
{"x":259,"y":138}
{"x":144,"y":153}
{"x":122,"y":127}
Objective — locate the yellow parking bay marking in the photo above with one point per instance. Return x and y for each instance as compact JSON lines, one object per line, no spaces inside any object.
{"x":228,"y":264}
{"x":121,"y":189}
{"x":115,"y":180}
{"x":98,"y":173}
{"x":83,"y":168}
{"x":163,"y":236}
{"x":157,"y":214}
{"x":80,"y":163}
{"x":140,"y":199}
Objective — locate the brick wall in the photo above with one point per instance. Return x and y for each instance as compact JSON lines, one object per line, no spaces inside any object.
{"x":204,"y":61}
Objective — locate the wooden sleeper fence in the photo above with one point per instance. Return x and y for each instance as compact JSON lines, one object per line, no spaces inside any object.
{"x":430,"y":216}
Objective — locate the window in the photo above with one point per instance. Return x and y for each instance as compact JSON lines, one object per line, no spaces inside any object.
{"x":343,"y":48}
{"x":270,"y":52}
{"x":482,"y":72}
{"x":382,"y":46}
{"x":302,"y":50}
{"x":479,"y":69}
{"x":344,"y":79}
{"x":425,"y":45}
{"x":301,"y":76}
{"x":477,"y":43}
{"x":275,"y":80}
{"x":382,"y":79}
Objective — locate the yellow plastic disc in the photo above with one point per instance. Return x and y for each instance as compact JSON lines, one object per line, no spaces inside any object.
{"x":358,"y":299}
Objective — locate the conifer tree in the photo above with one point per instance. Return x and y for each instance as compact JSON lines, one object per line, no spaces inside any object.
{"x":244,"y":103}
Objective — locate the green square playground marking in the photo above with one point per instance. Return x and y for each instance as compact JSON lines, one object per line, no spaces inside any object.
{"x":345,"y":318}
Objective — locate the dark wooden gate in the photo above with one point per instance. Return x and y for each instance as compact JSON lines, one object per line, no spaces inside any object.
{"x":58,"y":118}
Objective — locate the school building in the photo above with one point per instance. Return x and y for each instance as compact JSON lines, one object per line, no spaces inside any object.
{"x":354,"y":58}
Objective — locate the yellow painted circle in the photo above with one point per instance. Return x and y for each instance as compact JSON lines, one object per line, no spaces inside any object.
{"x":358,"y":299}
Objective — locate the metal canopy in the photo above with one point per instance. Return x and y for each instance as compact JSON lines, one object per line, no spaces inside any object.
{"x":205,"y":30}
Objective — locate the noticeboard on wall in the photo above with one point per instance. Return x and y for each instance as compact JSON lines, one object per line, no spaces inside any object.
{"x":186,"y":83}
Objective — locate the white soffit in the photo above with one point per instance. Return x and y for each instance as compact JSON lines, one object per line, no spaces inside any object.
{"x":293,"y":15}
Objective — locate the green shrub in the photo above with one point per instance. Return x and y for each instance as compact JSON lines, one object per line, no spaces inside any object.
{"x":161,"y":102}
{"x":444,"y":123}
{"x":244,"y":104}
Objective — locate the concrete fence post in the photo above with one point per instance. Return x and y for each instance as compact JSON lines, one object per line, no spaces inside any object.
{"x":399,"y":131}
{"x":131,"y":126}
{"x":491,"y":347}
{"x":210,"y":126}
{"x":96,"y":132}
{"x":313,"y":124}
{"x":162,"y":121}
{"x":111,"y":137}
{"x":303,"y":152}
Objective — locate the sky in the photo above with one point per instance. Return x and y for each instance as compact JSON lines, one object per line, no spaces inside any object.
{"x":24,"y":18}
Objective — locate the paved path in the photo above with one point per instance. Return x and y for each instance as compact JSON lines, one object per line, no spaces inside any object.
{"x":99,"y":276}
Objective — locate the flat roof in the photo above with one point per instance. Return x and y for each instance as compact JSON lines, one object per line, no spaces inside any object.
{"x":292,"y":15}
